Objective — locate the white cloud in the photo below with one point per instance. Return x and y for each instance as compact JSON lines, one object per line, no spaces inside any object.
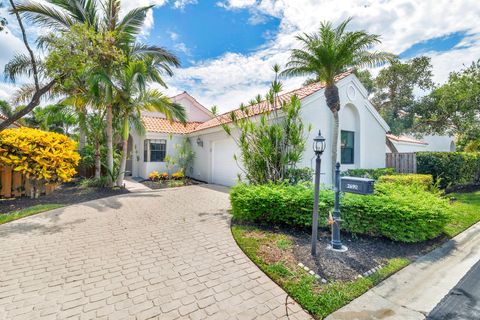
{"x":173,"y":35}
{"x":234,"y":78}
{"x":181,"y":4}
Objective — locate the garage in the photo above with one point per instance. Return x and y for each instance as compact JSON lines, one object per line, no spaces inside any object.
{"x":224,"y":166}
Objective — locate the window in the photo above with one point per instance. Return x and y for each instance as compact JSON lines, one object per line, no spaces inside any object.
{"x":154,"y":150}
{"x":347,"y":147}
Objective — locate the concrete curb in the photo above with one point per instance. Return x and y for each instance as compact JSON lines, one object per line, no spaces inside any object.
{"x":415,"y":290}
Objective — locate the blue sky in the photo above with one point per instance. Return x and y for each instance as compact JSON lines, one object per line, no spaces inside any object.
{"x":227,"y":47}
{"x":207,"y":31}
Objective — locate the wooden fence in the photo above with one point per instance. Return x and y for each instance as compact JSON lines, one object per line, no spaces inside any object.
{"x":402,"y":162}
{"x":15,"y":184}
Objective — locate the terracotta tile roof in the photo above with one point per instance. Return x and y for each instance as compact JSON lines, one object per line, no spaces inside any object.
{"x":406,"y":139}
{"x":263,"y":106}
{"x":162,"y":125}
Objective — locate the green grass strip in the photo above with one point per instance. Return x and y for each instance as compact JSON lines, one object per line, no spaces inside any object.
{"x":7,"y":217}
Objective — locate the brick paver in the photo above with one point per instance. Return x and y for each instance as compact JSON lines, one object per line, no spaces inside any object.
{"x":165,"y":254}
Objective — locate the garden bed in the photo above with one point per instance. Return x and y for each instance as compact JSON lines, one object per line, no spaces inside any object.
{"x":66,"y":194}
{"x":284,"y":255}
{"x":171,"y":183}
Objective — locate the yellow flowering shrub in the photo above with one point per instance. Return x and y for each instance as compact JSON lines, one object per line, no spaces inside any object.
{"x":156,"y":176}
{"x":39,"y":155}
{"x":178,"y":175}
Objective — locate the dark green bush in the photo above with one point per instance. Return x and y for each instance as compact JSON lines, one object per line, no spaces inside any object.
{"x":369,"y":173}
{"x":405,"y":213}
{"x":298,"y":175}
{"x":453,"y":168}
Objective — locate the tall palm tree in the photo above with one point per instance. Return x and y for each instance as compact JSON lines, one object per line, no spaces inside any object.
{"x":103,"y":16}
{"x":132,"y":97}
{"x":328,"y":52}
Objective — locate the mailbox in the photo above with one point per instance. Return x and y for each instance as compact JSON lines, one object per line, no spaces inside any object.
{"x":357,"y":185}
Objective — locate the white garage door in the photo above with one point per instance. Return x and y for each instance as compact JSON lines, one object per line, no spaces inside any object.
{"x":224,"y":166}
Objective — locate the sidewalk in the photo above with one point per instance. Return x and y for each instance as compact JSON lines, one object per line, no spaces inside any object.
{"x":135,"y":186}
{"x":413,"y":292}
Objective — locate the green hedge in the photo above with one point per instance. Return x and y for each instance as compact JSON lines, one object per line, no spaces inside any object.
{"x":405,"y":213}
{"x":424,"y":180}
{"x":453,"y":168}
{"x":369,"y":173}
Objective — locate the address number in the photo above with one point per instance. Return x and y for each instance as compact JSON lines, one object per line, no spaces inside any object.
{"x":352,"y":186}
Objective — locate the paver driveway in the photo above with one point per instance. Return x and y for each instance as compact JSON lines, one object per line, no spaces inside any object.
{"x":163,"y":255}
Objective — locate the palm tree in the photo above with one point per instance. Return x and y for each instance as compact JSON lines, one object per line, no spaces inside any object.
{"x":61,"y":15}
{"x":328,"y":52}
{"x":132,"y":97}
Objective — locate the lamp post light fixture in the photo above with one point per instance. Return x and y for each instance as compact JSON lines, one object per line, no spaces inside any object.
{"x":199,"y":142}
{"x":318,"y":147}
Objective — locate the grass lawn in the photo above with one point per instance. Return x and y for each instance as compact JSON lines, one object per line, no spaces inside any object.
{"x":322,"y":299}
{"x":465,"y":212}
{"x":4,"y":218}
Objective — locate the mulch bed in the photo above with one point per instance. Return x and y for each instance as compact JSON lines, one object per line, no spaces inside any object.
{"x":166,"y":184}
{"x":364,"y":253}
{"x":66,"y":194}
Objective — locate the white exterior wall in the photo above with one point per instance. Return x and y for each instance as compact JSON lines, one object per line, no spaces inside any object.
{"x":355,"y":115}
{"x":143,"y":169}
{"x":194,"y":111}
{"x":440,"y":143}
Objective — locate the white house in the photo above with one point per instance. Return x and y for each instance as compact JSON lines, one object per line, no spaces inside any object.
{"x":363,"y":134}
{"x":405,"y":143}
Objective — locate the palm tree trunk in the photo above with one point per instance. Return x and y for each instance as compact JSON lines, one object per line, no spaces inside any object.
{"x":333,"y":103}
{"x":123,"y":162}
{"x":110,"y":143}
{"x":98,"y":159}
{"x":336,"y":125}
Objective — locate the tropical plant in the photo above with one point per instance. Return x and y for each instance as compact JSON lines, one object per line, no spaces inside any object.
{"x":44,"y":157}
{"x":63,"y":15}
{"x":327,"y":53}
{"x":132,"y":97}
{"x":39,"y":89}
{"x":269,"y":145}
{"x":185,"y":155}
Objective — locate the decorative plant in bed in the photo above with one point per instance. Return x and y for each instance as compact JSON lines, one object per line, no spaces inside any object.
{"x":163,"y":180}
{"x":405,"y":218}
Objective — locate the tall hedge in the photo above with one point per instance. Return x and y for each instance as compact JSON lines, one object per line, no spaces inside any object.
{"x":405,"y":213}
{"x":453,"y":168}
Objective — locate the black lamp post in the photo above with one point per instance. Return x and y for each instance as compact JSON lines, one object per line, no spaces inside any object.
{"x":318,"y":147}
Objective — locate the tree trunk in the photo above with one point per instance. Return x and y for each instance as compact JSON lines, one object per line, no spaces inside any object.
{"x":123,"y":162}
{"x":333,"y":103}
{"x":98,"y":159}
{"x":336,"y":125}
{"x":110,"y":144}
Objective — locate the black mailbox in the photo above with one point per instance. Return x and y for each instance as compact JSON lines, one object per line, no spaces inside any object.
{"x":357,"y":185}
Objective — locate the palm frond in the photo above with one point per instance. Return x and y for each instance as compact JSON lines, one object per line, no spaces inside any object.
{"x":133,"y":21}
{"x":43,"y":15}
{"x":19,"y":65}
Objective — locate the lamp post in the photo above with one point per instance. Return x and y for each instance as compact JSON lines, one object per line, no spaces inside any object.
{"x":318,"y":148}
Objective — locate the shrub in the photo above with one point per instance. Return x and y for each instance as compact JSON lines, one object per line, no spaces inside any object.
{"x":453,"y":168}
{"x":424,"y":180}
{"x":178,"y":175}
{"x":101,"y":182}
{"x":405,"y":213}
{"x":39,"y":155}
{"x":369,"y":173}
{"x":299,"y":175}
{"x":156,"y":176}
